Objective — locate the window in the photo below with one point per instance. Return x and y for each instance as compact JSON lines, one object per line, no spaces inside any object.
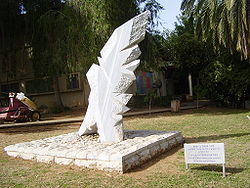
{"x":39,"y":86}
{"x":73,"y":81}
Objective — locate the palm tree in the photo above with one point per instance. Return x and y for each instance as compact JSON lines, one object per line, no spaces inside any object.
{"x":224,"y":22}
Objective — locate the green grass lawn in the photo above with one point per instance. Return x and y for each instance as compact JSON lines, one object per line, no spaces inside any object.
{"x":216,"y":125}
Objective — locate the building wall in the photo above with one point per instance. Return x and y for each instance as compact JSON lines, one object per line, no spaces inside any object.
{"x":17,"y":75}
{"x":70,"y":99}
{"x":73,"y":93}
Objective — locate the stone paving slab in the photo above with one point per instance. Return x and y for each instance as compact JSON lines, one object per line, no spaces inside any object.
{"x":86,"y":151}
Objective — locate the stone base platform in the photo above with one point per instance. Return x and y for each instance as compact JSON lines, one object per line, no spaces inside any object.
{"x":69,"y":149}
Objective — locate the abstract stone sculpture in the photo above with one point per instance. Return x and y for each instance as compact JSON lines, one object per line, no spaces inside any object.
{"x":109,"y":81}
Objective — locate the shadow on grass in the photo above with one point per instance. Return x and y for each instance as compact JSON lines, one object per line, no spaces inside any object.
{"x":214,"y":137}
{"x":219,"y":111}
{"x":155,"y":160}
{"x":204,"y":111}
{"x":34,"y":128}
{"x":217,"y":168}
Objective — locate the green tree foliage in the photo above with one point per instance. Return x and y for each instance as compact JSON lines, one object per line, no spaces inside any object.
{"x":11,"y":35}
{"x":182,"y":50}
{"x":55,"y":29}
{"x":155,"y":7}
{"x":69,"y":35}
{"x":65,"y":35}
{"x":226,"y":79}
{"x":185,"y":53}
{"x":218,"y":75}
{"x":223,"y":22}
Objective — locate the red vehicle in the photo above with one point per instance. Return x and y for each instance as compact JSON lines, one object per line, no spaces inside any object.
{"x":18,"y":108}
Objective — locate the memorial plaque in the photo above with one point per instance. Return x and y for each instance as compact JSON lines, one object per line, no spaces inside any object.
{"x":209,"y":153}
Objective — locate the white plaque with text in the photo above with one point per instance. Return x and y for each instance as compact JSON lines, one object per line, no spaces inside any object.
{"x":209,"y":153}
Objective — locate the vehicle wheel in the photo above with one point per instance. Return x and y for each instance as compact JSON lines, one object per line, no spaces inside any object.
{"x":35,"y":116}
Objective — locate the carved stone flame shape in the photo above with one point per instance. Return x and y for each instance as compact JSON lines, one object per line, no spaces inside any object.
{"x":109,"y":80}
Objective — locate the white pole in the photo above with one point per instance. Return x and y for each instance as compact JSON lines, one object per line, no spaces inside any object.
{"x":224,"y":170}
{"x":190,"y":84}
{"x":186,"y":165}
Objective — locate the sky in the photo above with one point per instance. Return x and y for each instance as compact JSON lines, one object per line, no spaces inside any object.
{"x":168,"y":15}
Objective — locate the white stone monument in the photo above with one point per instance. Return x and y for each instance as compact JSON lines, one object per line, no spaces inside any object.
{"x":110,"y":80}
{"x":107,"y":100}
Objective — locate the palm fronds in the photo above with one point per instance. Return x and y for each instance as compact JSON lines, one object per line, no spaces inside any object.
{"x":225,"y":22}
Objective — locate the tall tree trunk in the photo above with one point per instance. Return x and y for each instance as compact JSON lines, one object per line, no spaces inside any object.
{"x":248,"y":28}
{"x":56,"y":88}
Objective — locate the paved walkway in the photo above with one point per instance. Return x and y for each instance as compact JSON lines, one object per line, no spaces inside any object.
{"x":79,"y":117}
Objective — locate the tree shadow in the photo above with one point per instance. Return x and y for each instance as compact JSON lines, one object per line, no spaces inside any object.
{"x":130,"y":134}
{"x":216,"y":168}
{"x":203,"y":111}
{"x":213,"y":137}
{"x":154,"y":160}
{"x":213,"y":110}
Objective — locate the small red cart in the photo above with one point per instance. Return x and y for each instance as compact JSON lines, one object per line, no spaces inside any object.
{"x":18,"y":108}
